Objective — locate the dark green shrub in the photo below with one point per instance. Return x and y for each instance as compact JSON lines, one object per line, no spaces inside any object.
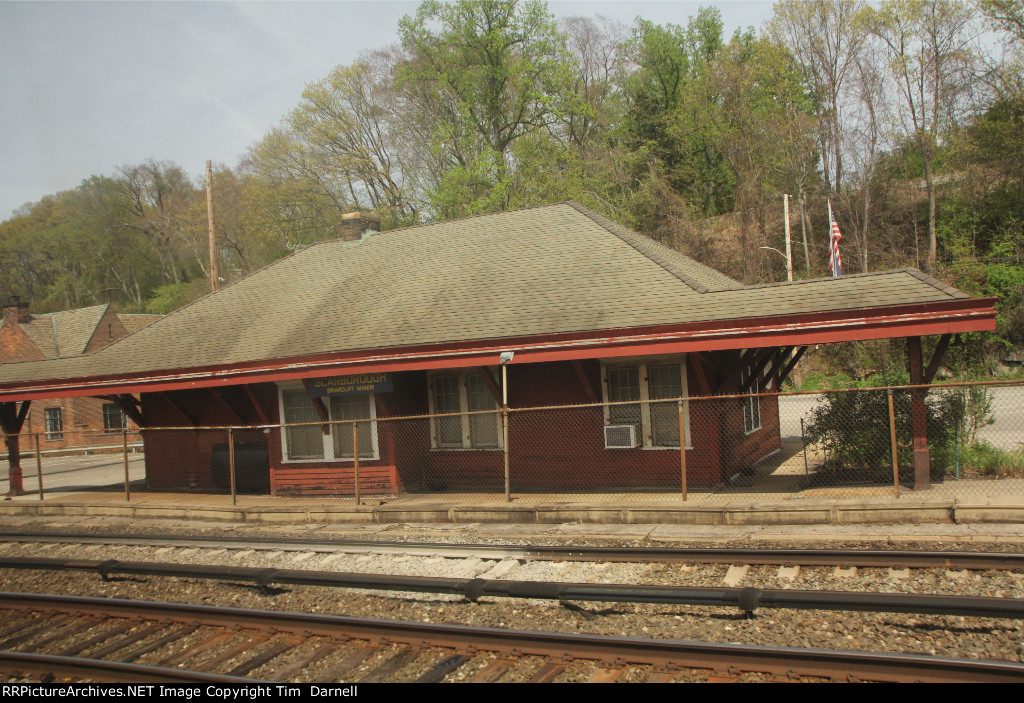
{"x":853,"y":430}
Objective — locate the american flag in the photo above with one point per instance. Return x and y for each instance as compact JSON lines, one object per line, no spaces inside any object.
{"x":835,"y":262}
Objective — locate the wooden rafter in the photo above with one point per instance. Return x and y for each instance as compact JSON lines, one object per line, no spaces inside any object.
{"x":937,"y":357}
{"x":756,"y":368}
{"x":256,"y":405}
{"x":697,"y":361}
{"x":130,"y":406}
{"x":788,"y":368}
{"x":189,"y":419}
{"x":731,"y":382}
{"x":581,"y":375}
{"x":224,"y":404}
{"x":492,"y":385}
{"x":777,"y":360}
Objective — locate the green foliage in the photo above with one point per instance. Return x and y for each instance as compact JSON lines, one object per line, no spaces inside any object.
{"x":853,"y":429}
{"x":169,"y":298}
{"x":982,"y":459}
{"x":492,"y":72}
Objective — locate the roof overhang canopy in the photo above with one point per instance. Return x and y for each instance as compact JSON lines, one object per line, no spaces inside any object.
{"x":957,"y":315}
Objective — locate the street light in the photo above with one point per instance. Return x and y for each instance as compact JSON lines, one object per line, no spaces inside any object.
{"x":789,"y":261}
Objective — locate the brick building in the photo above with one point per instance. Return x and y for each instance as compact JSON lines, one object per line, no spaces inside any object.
{"x":416,"y":320}
{"x":67,"y":423}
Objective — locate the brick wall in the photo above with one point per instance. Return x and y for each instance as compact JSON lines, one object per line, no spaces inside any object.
{"x":559,"y":450}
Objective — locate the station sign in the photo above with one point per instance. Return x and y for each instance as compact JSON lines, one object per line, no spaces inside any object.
{"x":356,"y":384}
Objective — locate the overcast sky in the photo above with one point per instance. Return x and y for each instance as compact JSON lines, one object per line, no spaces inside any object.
{"x":88,"y":86}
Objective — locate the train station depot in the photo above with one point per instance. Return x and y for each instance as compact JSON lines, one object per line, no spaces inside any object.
{"x":416,"y":320}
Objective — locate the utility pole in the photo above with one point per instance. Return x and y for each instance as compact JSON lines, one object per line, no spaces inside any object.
{"x":214,"y":279}
{"x":789,"y":244}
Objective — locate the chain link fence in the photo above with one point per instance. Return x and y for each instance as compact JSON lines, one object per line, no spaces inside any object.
{"x":61,"y":462}
{"x":963,"y":441}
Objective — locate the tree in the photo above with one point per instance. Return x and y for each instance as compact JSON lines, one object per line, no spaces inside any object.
{"x":825,"y":37}
{"x":596,"y":45}
{"x":156,"y":200}
{"x":495,"y":72}
{"x":928,"y":43}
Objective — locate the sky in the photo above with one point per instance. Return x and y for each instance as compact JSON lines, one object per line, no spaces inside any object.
{"x":86,"y":87}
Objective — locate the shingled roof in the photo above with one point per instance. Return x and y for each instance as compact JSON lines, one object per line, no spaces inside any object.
{"x":64,"y":333}
{"x":540,"y":271}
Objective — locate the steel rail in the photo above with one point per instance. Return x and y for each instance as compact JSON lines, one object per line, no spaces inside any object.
{"x":672,"y":654}
{"x":746,"y":599}
{"x":109,"y":671}
{"x":768,"y":556}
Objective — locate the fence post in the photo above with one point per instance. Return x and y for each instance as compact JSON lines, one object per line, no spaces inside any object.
{"x":355,"y":457}
{"x":504,"y":436}
{"x":39,"y":466}
{"x":892,"y":438}
{"x":231,"y":464}
{"x":682,"y":448}
{"x":803,"y":443}
{"x":124,"y":453}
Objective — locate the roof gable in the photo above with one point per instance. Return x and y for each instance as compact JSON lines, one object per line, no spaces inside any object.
{"x":65,"y":333}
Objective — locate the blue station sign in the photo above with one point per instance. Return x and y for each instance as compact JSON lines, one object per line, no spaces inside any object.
{"x":351,"y":385}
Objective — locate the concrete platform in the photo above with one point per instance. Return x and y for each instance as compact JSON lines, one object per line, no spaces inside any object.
{"x":773,"y":494}
{"x":915,"y":509}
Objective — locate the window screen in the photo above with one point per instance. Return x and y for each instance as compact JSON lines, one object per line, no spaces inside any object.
{"x":351,"y":407}
{"x":304,"y":442}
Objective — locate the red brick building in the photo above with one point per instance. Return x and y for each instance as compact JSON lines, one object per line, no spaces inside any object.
{"x":416,"y":320}
{"x":67,"y":423}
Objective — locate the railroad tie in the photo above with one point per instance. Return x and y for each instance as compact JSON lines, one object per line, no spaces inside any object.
{"x":189,"y":652}
{"x":494,"y":670}
{"x":548,"y":673}
{"x":334,"y":673}
{"x":156,"y":644}
{"x":443,"y":668}
{"x":29,"y":632}
{"x":305,"y":660}
{"x":607,"y":674}
{"x":82,"y":646}
{"x":123,"y":642}
{"x":262,"y":658}
{"x":248,"y":642}
{"x":396,"y":662}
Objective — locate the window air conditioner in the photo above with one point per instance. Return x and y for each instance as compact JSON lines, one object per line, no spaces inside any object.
{"x":619,"y":436}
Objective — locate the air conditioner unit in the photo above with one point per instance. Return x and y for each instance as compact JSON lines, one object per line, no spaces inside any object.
{"x":619,"y":436}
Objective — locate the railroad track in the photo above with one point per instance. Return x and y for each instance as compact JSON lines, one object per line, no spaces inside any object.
{"x":108,"y":639}
{"x":861,"y":558}
{"x":747,"y":600}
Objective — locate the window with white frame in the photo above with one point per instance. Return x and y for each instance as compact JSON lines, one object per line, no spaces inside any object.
{"x":472,"y":420}
{"x":54,"y":424}
{"x":655,"y":424}
{"x":751,"y":405}
{"x":307,"y":442}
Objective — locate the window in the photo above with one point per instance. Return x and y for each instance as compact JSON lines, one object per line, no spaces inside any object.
{"x":114,"y":419}
{"x":308,"y":442}
{"x":751,"y":406}
{"x":461,"y":393}
{"x":54,"y":425}
{"x":655,"y":424}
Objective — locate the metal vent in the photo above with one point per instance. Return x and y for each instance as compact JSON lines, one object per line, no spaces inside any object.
{"x":619,"y":436}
